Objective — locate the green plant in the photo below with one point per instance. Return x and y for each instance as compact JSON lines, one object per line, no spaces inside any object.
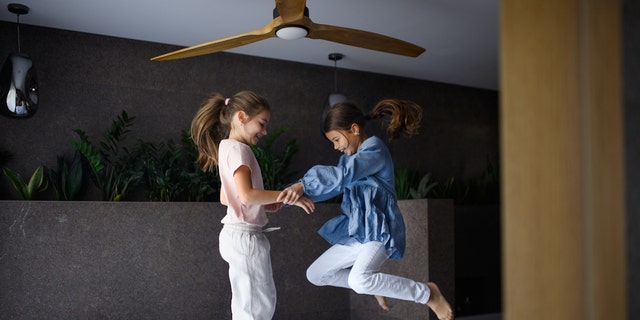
{"x":446,"y":189}
{"x":482,"y":190}
{"x":275,"y":167}
{"x":424,"y":187}
{"x":37,"y":183}
{"x":162,"y":167}
{"x":404,"y":179}
{"x":198,"y":185}
{"x":67,"y":180}
{"x":171,"y":172}
{"x":113,"y":168}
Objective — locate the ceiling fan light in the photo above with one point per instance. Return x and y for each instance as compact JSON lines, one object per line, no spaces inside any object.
{"x":291,"y":32}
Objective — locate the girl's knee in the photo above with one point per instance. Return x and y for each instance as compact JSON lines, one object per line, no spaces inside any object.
{"x":314,"y":277}
{"x":360,"y":283}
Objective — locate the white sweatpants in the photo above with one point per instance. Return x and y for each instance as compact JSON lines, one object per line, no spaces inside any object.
{"x":253,"y":291}
{"x":364,"y":277}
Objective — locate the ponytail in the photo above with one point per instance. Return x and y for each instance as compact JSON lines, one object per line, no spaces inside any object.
{"x":212,"y":123}
{"x":401,"y":117}
{"x":207,"y":131}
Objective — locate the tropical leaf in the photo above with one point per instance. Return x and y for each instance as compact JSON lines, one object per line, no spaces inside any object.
{"x":37,"y":182}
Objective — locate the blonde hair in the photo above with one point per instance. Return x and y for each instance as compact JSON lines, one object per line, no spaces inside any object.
{"x":212,"y":122}
{"x":401,"y":117}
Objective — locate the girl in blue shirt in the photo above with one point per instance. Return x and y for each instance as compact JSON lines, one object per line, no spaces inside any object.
{"x":370,"y":229}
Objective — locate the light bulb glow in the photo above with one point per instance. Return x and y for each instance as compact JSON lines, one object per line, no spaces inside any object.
{"x":291,"y":33}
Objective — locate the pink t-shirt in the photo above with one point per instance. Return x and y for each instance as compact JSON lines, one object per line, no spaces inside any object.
{"x":231,"y":155}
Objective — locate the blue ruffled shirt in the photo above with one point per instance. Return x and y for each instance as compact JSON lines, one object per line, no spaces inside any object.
{"x":369,"y":207}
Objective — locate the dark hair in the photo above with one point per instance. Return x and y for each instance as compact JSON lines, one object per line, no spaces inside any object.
{"x":401,"y":117}
{"x":212,"y":122}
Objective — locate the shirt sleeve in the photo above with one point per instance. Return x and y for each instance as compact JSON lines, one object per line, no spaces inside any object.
{"x":241,"y":156}
{"x":324,"y":182}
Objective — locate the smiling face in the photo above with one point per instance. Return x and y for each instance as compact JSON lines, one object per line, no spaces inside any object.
{"x":251,"y":129}
{"x":346,"y":141}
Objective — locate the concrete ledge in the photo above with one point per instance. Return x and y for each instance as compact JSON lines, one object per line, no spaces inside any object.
{"x":151,"y":260}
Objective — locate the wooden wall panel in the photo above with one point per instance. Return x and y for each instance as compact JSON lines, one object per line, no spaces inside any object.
{"x":561,"y":153}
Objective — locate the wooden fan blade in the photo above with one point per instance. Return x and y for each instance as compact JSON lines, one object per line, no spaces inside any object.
{"x":291,"y":10}
{"x":265,"y":32}
{"x":363,"y":39}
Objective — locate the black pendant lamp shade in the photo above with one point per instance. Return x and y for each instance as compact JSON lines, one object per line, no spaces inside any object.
{"x":18,"y":82}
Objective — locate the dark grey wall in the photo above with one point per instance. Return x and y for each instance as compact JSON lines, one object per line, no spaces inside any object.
{"x":631,"y":12}
{"x":87,"y":80}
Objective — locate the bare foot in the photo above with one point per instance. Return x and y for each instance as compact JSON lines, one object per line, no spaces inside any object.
{"x":438,"y":303}
{"x":382,"y":301}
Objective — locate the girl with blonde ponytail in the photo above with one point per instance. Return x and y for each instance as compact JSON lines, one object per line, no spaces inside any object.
{"x":223,"y":130}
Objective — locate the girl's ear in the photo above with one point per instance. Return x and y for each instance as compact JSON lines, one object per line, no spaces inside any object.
{"x":242,"y":116}
{"x":355,"y":129}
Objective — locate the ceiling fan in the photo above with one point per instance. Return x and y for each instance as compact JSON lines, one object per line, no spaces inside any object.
{"x":291,"y":21}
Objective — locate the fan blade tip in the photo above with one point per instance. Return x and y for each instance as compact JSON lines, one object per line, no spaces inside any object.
{"x":161,"y":57}
{"x":418,"y":53}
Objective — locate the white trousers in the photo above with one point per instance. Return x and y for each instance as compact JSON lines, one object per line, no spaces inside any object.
{"x":364,"y":277}
{"x":253,"y":291}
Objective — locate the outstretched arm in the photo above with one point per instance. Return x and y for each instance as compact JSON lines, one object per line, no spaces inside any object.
{"x":324,"y":182}
{"x":249,"y":195}
{"x":246,"y":192}
{"x":292,"y":193}
{"x":306,"y":204}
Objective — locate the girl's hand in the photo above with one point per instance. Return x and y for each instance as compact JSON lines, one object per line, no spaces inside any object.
{"x":273,"y":207}
{"x":305,"y":203}
{"x":291,"y":194}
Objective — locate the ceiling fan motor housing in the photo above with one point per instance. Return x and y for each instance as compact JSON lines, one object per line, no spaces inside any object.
{"x":291,"y":31}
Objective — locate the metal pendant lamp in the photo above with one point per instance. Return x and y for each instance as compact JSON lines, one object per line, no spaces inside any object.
{"x":18,"y":82}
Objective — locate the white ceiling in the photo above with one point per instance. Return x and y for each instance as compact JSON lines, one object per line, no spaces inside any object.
{"x":460,"y":36}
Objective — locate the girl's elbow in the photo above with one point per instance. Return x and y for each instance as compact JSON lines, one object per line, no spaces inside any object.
{"x":244,"y":198}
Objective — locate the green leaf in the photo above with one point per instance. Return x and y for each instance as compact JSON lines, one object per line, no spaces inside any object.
{"x":74,"y":178}
{"x":37,"y":183}
{"x":424,"y":187}
{"x":17,"y":182}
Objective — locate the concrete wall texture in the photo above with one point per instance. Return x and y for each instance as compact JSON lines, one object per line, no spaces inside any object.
{"x":151,"y":260}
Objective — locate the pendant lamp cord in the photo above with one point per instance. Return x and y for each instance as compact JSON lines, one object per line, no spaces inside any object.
{"x":335,"y":75}
{"x":18,"y":30}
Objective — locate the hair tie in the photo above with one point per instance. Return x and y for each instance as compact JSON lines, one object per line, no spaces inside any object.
{"x":226,"y":101}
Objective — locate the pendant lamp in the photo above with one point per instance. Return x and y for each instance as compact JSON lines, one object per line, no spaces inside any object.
{"x":18,"y":82}
{"x":335,"y":96}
